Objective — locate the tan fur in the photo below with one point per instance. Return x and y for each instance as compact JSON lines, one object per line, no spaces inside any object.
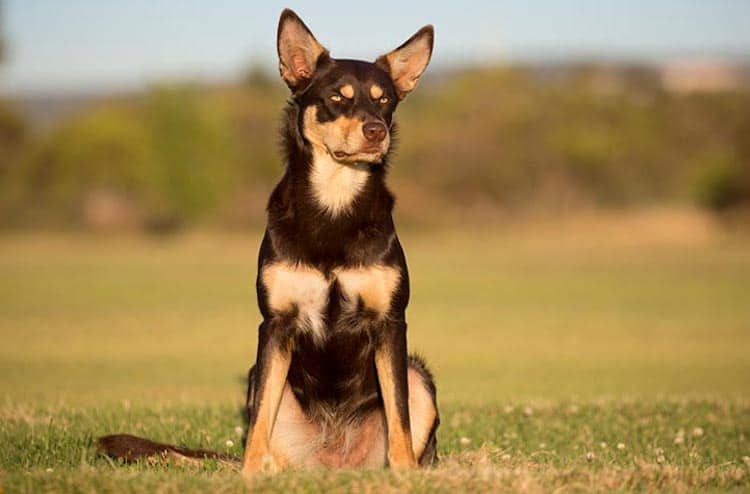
{"x":257,"y":449}
{"x":400,"y":450}
{"x":300,"y":286}
{"x":337,"y":182}
{"x":295,"y":438}
{"x":373,"y":284}
{"x":298,"y":52}
{"x":347,"y":91}
{"x":192,"y":462}
{"x":359,"y":444}
{"x":407,"y":63}
{"x":298,"y":442}
{"x":290,"y":286}
{"x":422,"y":412}
{"x":343,"y":134}
{"x":376,"y":92}
{"x":328,"y":135}
{"x":336,"y":185}
{"x":368,"y":450}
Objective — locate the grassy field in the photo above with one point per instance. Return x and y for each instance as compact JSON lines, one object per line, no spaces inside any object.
{"x":591,"y":355}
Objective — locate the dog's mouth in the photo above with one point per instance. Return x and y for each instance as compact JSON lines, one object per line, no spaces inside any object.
{"x":365,"y":155}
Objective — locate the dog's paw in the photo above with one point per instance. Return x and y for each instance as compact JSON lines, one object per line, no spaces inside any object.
{"x":402,"y":462}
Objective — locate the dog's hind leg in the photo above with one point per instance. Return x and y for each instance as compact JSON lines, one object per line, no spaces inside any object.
{"x":295,"y":437}
{"x":423,"y":412}
{"x":423,"y":420}
{"x":298,"y":442}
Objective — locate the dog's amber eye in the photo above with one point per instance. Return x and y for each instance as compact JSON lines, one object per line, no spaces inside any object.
{"x":383,"y":100}
{"x":336,"y":97}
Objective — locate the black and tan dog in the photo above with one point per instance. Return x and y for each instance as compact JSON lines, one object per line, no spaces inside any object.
{"x":333,"y":384}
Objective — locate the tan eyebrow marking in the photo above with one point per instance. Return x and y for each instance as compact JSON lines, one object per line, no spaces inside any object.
{"x":347,"y":91}
{"x":376,"y":91}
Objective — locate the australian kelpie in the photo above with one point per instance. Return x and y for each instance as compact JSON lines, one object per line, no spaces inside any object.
{"x":333,"y":384}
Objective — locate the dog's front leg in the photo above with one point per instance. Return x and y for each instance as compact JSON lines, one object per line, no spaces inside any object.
{"x":271,"y":368}
{"x":391,"y":362}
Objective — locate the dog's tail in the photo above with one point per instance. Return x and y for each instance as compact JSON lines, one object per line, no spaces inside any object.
{"x":132,"y":448}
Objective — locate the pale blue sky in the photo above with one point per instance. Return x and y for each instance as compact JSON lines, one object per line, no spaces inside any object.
{"x":73,"y":45}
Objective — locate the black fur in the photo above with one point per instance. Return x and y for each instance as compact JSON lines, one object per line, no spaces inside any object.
{"x":132,"y":448}
{"x":339,"y":377}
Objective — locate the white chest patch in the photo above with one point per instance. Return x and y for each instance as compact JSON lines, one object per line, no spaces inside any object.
{"x":300,"y":286}
{"x":335,"y":186}
{"x":304,"y":288}
{"x":373,"y":284}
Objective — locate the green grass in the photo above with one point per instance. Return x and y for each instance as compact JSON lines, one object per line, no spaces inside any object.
{"x":550,"y":345}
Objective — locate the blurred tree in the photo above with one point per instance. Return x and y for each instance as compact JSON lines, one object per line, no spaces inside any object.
{"x":510,"y":138}
{"x":2,"y":36}
{"x":106,"y":149}
{"x":718,"y":182}
{"x":191,"y":140}
{"x":11,"y":126}
{"x":12,"y":145}
{"x":257,"y":77}
{"x":12,"y":134}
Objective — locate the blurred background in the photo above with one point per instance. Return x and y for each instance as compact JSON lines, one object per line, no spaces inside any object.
{"x":573,"y":184}
{"x":160,"y":115}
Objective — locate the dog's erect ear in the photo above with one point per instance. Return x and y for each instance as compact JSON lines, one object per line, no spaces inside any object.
{"x":406,"y":63}
{"x":298,"y":49}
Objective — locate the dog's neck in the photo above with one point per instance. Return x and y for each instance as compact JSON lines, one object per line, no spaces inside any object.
{"x":339,"y":190}
{"x":336,"y":186}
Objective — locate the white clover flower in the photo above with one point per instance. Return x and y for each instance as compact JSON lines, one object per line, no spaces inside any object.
{"x":697,"y":431}
{"x":229,"y":443}
{"x":464,"y":440}
{"x":590,"y":456}
{"x":506,"y":457}
{"x":621,"y":446}
{"x":660,"y":459}
{"x":239,"y":430}
{"x":50,"y":470}
{"x":603,"y":445}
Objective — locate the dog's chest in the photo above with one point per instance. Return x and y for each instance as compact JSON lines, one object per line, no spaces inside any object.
{"x":306,"y":292}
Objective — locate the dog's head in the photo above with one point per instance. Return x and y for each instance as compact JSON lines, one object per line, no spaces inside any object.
{"x":347,"y":105}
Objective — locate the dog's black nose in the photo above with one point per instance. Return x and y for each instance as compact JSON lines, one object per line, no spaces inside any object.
{"x":374,"y":131}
